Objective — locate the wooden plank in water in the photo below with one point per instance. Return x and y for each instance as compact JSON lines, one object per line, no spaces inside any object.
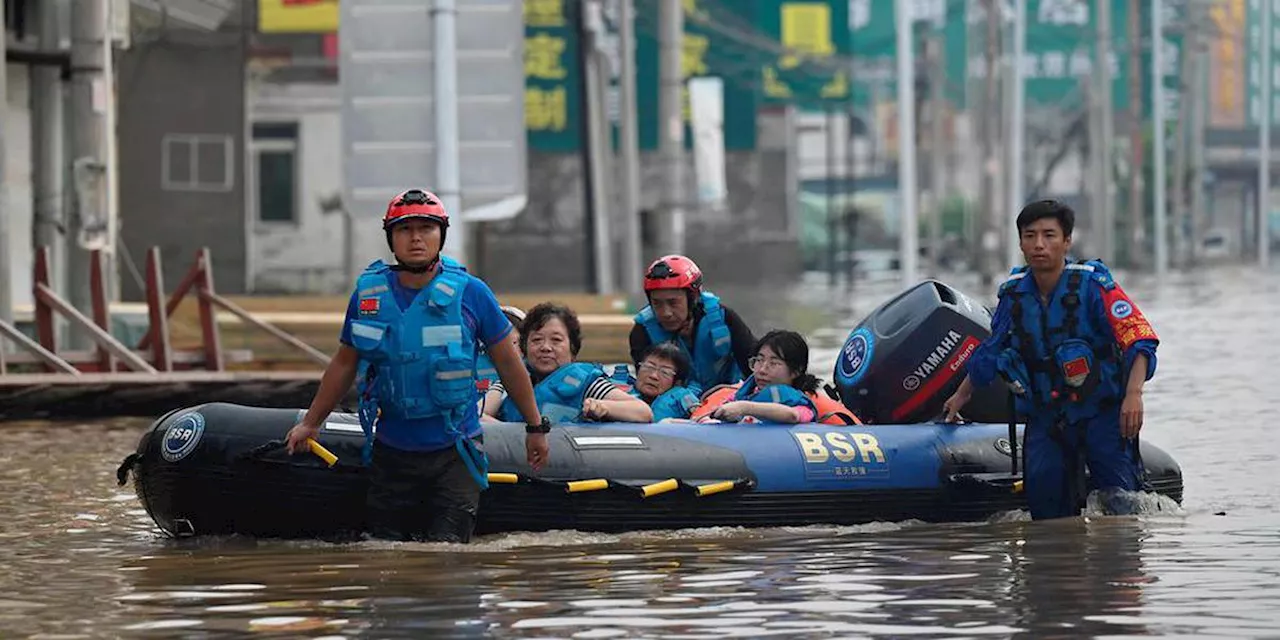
{"x":93,"y":395}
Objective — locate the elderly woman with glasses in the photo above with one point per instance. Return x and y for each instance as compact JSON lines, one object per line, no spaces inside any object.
{"x":662,"y":374}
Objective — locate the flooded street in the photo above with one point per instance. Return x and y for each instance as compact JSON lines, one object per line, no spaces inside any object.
{"x":82,"y":559}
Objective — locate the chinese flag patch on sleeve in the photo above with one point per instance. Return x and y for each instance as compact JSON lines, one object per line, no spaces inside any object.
{"x":368,"y":306}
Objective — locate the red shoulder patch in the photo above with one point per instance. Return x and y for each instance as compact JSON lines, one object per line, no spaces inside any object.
{"x":1126,"y":320}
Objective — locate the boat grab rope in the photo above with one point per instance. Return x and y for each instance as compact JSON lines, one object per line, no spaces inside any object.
{"x":644,"y":491}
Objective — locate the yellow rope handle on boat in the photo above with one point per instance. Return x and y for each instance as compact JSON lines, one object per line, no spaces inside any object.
{"x":715,"y":487}
{"x":645,"y":491}
{"x":578,"y":486}
{"x":658,"y":488}
{"x":322,"y":452}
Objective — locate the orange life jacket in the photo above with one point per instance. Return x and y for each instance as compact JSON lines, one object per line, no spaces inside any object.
{"x":712,"y":400}
{"x":830,"y":411}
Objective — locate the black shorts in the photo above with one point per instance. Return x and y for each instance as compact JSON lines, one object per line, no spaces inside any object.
{"x":422,"y":496}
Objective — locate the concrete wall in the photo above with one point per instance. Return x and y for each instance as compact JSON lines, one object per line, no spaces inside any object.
{"x":306,"y":254}
{"x":187,"y":88}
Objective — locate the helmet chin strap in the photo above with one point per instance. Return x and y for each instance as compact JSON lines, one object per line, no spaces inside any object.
{"x":416,"y":268}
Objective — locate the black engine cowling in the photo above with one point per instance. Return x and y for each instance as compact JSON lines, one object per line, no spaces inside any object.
{"x":902,"y":362}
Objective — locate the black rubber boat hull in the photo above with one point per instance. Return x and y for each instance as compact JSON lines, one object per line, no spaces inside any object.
{"x":220,"y":469}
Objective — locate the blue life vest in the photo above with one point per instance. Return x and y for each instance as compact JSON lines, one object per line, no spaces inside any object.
{"x":422,"y":360}
{"x":485,"y":369}
{"x":776,"y":393}
{"x":677,"y":402}
{"x":1061,"y":359}
{"x":712,"y":356}
{"x":559,"y":395}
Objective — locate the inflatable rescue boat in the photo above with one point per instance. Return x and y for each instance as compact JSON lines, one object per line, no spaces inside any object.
{"x":222,"y":469}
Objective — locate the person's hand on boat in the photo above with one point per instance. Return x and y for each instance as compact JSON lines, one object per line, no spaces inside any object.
{"x":537,"y":450}
{"x":730,"y":411}
{"x":951,"y":408}
{"x":1131,"y":415}
{"x":594,"y":409}
{"x":296,"y":441}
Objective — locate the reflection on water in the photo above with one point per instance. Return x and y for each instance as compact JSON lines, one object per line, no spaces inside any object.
{"x":82,"y":560}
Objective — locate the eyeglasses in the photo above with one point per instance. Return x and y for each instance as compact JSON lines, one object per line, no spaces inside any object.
{"x":664,"y":371}
{"x":761,"y":362}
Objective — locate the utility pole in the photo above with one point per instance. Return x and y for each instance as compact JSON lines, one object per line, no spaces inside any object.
{"x":49,"y":221}
{"x":629,"y":154}
{"x":1199,"y":107}
{"x":1105,"y":221}
{"x":833,"y":242}
{"x":937,"y":159}
{"x":6,"y":239}
{"x":990,"y":237}
{"x":1137,"y":234}
{"x":1016,"y":173}
{"x":111,"y":174}
{"x":908,"y":240}
{"x":595,"y":145}
{"x":444,"y":57}
{"x":671,"y":127}
{"x":1161,"y":186}
{"x":1179,"y":204}
{"x":1095,"y":175}
{"x":1264,"y":141}
{"x":89,"y":93}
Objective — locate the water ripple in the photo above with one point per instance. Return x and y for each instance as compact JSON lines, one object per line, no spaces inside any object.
{"x":83,"y":560}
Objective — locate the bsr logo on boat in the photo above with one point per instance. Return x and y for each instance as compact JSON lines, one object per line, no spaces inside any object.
{"x":182,"y":437}
{"x":937,"y":357}
{"x":855,"y":355}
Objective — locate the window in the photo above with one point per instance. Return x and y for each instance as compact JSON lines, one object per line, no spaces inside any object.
{"x":195,"y":162}
{"x":275,"y":153}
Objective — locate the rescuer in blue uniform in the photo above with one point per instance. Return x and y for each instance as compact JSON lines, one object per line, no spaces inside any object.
{"x":418,"y":325}
{"x":714,"y":338}
{"x":1075,"y":351}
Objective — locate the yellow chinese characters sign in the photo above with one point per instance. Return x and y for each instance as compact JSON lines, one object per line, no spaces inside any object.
{"x":810,"y":31}
{"x":550,"y":76}
{"x":545,"y":109}
{"x":297,"y":16}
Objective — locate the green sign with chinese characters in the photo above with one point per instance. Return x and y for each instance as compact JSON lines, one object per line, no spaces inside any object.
{"x":1254,"y":71}
{"x":815,"y":36}
{"x":553,"y":85}
{"x":552,"y":82}
{"x":705,"y":53}
{"x":815,"y":53}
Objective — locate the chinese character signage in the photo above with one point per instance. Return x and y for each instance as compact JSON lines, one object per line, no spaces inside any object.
{"x":552,"y":81}
{"x":1255,"y":66}
{"x":705,"y":52}
{"x":812,"y":34}
{"x":815,"y":53}
{"x":1061,"y":35}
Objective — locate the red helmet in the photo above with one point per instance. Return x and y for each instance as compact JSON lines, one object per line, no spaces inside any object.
{"x":415,"y":203}
{"x":673,"y":272}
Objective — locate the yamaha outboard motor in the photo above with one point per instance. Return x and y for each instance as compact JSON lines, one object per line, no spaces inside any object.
{"x":908,"y":356}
